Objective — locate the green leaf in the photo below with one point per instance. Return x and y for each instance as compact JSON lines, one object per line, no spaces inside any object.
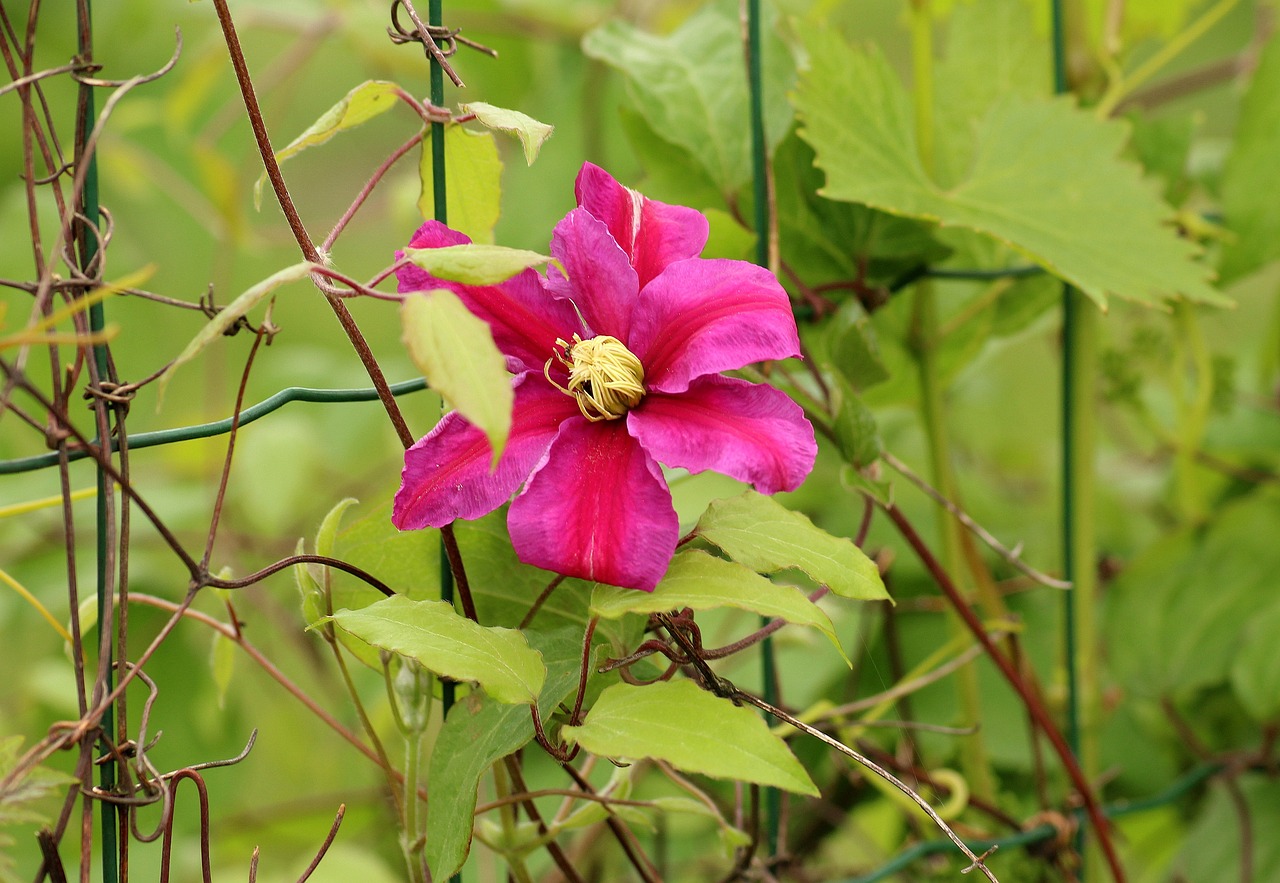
{"x":840,"y":242}
{"x":366,"y":101}
{"x":407,"y":561}
{"x":1255,"y":673}
{"x":761,"y":533}
{"x":479,"y":732}
{"x":449,"y":644}
{"x":1211,"y":848}
{"x":475,"y":263}
{"x":853,"y":349}
{"x":454,"y":350}
{"x":531,"y":133}
{"x":504,"y":588}
{"x":222,"y":659}
{"x":691,"y":729}
{"x":1248,"y":179}
{"x":1045,"y":178}
{"x":229,"y":315}
{"x":473,"y":182}
{"x":307,"y":578}
{"x":691,"y":86}
{"x":854,"y":424}
{"x":1188,"y":595}
{"x":327,"y":535}
{"x":993,"y":50}
{"x":38,"y":783}
{"x":701,"y":582}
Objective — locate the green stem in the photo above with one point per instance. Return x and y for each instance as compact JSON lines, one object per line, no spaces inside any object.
{"x":88,"y":242}
{"x":1126,"y":84}
{"x":924,"y":344}
{"x":412,"y":764}
{"x":1080,"y":332}
{"x":1193,"y":410}
{"x":925,"y":338}
{"x":764,"y":229}
{"x":922,"y":79}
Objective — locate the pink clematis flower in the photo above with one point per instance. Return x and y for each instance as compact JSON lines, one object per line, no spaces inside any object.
{"x":617,"y":368}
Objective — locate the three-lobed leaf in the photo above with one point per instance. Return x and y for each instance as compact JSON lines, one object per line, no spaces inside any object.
{"x":764,"y":535}
{"x":701,"y":582}
{"x":455,"y":352}
{"x":447,"y":643}
{"x":691,"y":729}
{"x":691,"y":87}
{"x":1045,"y":177}
{"x":1248,"y":193}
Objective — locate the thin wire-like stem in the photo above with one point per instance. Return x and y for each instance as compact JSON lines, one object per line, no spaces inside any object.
{"x":309,"y":250}
{"x":863,"y":760}
{"x":1012,"y":556}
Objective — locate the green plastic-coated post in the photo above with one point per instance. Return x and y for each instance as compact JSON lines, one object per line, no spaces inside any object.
{"x":89,"y":208}
{"x":439,"y":192}
{"x":763,"y":224}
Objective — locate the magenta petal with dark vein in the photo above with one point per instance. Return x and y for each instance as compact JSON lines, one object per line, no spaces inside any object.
{"x":749,"y":431}
{"x":702,"y":317}
{"x":446,"y":473}
{"x":601,"y":281}
{"x":597,"y":508}
{"x":524,"y":318}
{"x":653,"y":234}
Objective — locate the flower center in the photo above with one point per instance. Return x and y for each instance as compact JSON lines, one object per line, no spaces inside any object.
{"x":604,"y":376}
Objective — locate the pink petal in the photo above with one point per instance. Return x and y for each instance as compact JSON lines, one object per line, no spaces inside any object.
{"x":446,"y":472}
{"x":524,"y":318}
{"x":706,"y":316}
{"x":653,"y":234}
{"x":749,"y":431}
{"x":597,"y":508}
{"x":601,"y":280}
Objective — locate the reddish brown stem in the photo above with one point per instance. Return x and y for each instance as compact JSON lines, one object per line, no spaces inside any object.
{"x":1028,"y":696}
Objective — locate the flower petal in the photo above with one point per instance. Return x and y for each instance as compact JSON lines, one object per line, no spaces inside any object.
{"x":597,"y":508}
{"x":601,"y":281}
{"x":446,"y":472}
{"x":749,"y":431}
{"x":524,"y":318}
{"x":653,"y":234}
{"x":706,"y":316}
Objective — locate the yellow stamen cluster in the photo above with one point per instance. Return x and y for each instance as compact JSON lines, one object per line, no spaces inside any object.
{"x":604,"y":376}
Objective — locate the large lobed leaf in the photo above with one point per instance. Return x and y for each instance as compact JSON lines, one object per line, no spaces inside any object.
{"x":449,"y":644}
{"x":691,"y":729}
{"x":1045,"y":177}
{"x":691,"y":87}
{"x":761,"y":533}
{"x":1190,"y":595}
{"x":1250,"y":176}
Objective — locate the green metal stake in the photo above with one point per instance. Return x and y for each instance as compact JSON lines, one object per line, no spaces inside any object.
{"x":435,"y":16}
{"x":763,"y":222}
{"x":1080,"y":333}
{"x":98,"y":321}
